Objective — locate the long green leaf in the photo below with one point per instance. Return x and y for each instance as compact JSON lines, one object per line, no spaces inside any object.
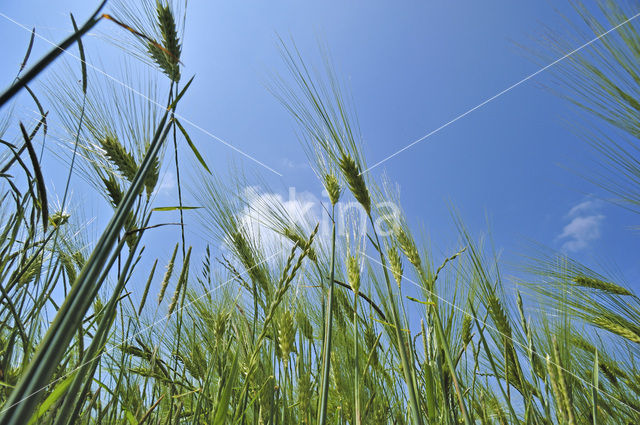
{"x":594,"y":390}
{"x":174,"y":208}
{"x":52,"y":398}
{"x":192,"y":146}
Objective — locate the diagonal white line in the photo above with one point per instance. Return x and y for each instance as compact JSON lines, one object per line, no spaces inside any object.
{"x":480,"y":105}
{"x":506,"y":336}
{"x":182,"y":118}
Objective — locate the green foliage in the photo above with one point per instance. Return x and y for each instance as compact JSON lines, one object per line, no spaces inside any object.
{"x":283,"y":324}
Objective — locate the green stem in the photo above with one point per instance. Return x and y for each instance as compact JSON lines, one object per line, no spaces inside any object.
{"x":400,"y":342}
{"x":357,"y":365}
{"x":448,"y":359}
{"x":326,"y":351}
{"x":175,"y":151}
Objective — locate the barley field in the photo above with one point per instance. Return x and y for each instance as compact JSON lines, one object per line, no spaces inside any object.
{"x":351,"y":319}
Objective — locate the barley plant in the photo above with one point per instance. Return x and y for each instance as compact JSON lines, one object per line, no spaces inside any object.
{"x":277,"y":320}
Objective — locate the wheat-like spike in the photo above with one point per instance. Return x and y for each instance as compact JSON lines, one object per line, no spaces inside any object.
{"x":370,"y":339}
{"x":499,"y":316}
{"x":408,"y":247}
{"x":466,"y":329}
{"x":69,"y":266}
{"x":503,"y":325}
{"x":98,"y":307}
{"x":616,"y":328}
{"x":162,"y":59}
{"x":181,"y":283}
{"x":151,"y":180}
{"x":32,"y":271}
{"x":167,"y":275}
{"x":395,"y":263}
{"x":114,"y":192}
{"x":248,"y":260}
{"x":167,"y":24}
{"x":332,"y":186}
{"x":306,"y":328}
{"x":58,"y":218}
{"x":297,"y":238}
{"x":523,"y":320}
{"x":501,"y":320}
{"x":286,"y":336}
{"x":355,"y":181}
{"x":339,"y":314}
{"x":143,"y":301}
{"x":305,"y":394}
{"x":79,"y":259}
{"x":287,"y":276}
{"x":562,"y":384}
{"x":129,"y":225}
{"x":608,"y":372}
{"x":119,"y":157}
{"x":592,"y":282}
{"x":169,"y":60}
{"x":220,"y":324}
{"x":556,"y":391}
{"x":353,"y":273}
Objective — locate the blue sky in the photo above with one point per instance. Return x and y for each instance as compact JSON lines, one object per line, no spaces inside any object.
{"x":411,"y":68}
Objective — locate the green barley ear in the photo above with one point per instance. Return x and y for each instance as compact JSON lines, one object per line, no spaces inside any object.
{"x":371,"y":339}
{"x":353,"y":273}
{"x":69,"y":267}
{"x":98,"y":308}
{"x":247,"y":257}
{"x":610,"y":371}
{"x":32,"y":270}
{"x":408,"y":247}
{"x":151,"y":180}
{"x":167,"y":275}
{"x":306,"y":328}
{"x":58,"y":219}
{"x":286,"y":336}
{"x":332,"y":187}
{"x":220,"y":324}
{"x":298,"y":239}
{"x":145,"y":293}
{"x":129,"y":226}
{"x":355,"y":181}
{"x":591,"y":282}
{"x":305,"y":393}
{"x":395,"y":263}
{"x":119,"y":157}
{"x":182,"y":281}
{"x":618,"y":327}
{"x":466,"y":329}
{"x":114,"y":192}
{"x":169,"y":60}
{"x":563,"y":385}
{"x":555,"y":388}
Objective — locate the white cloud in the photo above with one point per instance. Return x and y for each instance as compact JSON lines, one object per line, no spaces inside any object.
{"x":584,"y":207}
{"x":302,"y":208}
{"x":584,"y":227}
